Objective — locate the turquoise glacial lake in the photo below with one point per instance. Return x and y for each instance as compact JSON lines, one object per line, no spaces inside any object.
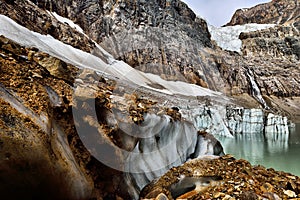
{"x":282,"y":153}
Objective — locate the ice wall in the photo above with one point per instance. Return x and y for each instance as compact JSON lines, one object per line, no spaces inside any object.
{"x":230,"y":121}
{"x":169,"y":143}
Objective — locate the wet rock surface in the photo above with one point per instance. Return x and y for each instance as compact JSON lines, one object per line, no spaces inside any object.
{"x":223,"y":178}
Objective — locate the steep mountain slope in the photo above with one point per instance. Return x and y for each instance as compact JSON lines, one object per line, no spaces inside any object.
{"x":167,"y":39}
{"x":169,"y":32}
{"x":274,"y":52}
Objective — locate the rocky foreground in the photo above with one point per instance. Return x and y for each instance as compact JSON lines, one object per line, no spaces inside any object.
{"x":223,"y":178}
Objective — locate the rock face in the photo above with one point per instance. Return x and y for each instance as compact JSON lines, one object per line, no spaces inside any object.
{"x":167,"y":30}
{"x":277,"y":46}
{"x":274,"y":12}
{"x":228,"y":37}
{"x":281,"y":41}
{"x":106,"y":18}
{"x":27,"y":14}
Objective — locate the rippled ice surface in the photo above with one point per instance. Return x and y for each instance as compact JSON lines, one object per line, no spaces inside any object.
{"x":281,"y":153}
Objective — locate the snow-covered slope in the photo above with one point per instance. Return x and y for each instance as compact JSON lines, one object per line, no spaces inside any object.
{"x":228,"y":37}
{"x":81,"y":59}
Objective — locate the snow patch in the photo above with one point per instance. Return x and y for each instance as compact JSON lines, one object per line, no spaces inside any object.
{"x":66,"y":20}
{"x":228,"y":37}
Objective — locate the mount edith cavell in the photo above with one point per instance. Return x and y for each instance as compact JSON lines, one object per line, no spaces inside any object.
{"x":123,"y":99}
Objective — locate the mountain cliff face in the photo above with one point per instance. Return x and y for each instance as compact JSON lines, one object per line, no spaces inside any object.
{"x":273,"y":53}
{"x":285,"y":12}
{"x":166,"y":30}
{"x":282,"y":41}
{"x":111,"y":92}
{"x":167,"y":39}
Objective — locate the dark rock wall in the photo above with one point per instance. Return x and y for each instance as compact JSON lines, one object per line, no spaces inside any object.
{"x":280,"y":42}
{"x":166,"y":38}
{"x":102,"y":19}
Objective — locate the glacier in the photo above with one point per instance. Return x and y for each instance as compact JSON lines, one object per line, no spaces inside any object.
{"x":228,"y":37}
